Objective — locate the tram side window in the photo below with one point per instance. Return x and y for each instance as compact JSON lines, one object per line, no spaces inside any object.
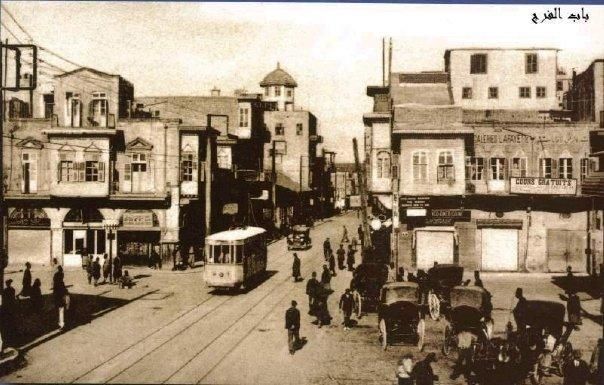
{"x":239,"y":254}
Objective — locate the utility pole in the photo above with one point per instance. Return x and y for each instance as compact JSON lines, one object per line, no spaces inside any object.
{"x":274,"y":183}
{"x":3,"y":256}
{"x":360,"y":175}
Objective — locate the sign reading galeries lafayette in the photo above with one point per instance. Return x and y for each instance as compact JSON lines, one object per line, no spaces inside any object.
{"x":543,"y":186}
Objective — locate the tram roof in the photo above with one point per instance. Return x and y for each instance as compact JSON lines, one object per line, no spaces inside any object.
{"x":236,"y":234}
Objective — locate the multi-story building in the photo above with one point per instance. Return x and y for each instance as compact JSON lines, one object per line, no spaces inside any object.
{"x":345,"y":182}
{"x":586,"y":96}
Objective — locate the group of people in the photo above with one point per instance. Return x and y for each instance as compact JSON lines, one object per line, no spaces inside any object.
{"x":111,"y":271}
{"x":420,"y":373}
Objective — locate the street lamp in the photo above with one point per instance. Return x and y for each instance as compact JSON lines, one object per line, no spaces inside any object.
{"x":110,"y":225}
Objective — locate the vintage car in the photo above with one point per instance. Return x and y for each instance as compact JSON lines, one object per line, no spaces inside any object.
{"x":400,"y":314}
{"x":439,"y":282}
{"x":366,"y":284}
{"x":470,"y":308}
{"x":299,"y":238}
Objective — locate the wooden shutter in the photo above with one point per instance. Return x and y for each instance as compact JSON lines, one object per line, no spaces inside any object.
{"x":59,"y":172}
{"x":127,"y":171}
{"x":555,"y":173}
{"x":101,"y":171}
{"x":82,"y":171}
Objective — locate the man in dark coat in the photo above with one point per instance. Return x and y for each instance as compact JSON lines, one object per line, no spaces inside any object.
{"x":576,"y":371}
{"x":90,"y":269}
{"x":26,"y":283}
{"x":106,"y":268}
{"x":341,"y":257}
{"x":326,"y":248}
{"x":311,"y":291}
{"x":350,"y":258}
{"x":360,"y":232}
{"x":332,"y":264}
{"x":573,"y":308}
{"x":321,"y":309}
{"x":292,"y":324}
{"x":346,"y":305}
{"x":326,"y":278}
{"x":296,"y":268}
{"x":59,"y":293}
{"x":117,"y":269}
{"x":9,"y":309}
{"x":96,"y":271}
{"x":422,"y":371}
{"x":477,"y":280}
{"x":520,"y":311}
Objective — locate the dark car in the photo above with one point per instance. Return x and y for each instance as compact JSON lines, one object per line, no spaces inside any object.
{"x":400,"y":314}
{"x":440,"y":280}
{"x":367,"y":281}
{"x":299,"y":238}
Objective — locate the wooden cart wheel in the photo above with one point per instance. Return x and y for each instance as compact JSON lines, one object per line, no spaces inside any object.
{"x":358,"y":300}
{"x":447,"y":340}
{"x":421,"y":331}
{"x":434,"y":306}
{"x":383,"y":334}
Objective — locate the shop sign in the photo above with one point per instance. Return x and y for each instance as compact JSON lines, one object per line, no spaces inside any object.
{"x":141,"y":219}
{"x":355,"y":201}
{"x":29,"y":222}
{"x":230,"y":208}
{"x":414,"y":202}
{"x":457,"y":214}
{"x":543,"y":186}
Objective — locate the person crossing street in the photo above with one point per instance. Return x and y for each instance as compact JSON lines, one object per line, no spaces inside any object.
{"x":346,"y":305}
{"x":292,"y":324}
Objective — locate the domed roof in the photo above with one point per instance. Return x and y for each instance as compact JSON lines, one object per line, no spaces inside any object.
{"x":278,"y":77}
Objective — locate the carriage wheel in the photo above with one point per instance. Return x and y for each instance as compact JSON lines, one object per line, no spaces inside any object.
{"x":447,"y":340}
{"x":421,"y":331}
{"x":358,"y":300}
{"x":383,"y":334}
{"x":434,"y":306}
{"x":490,"y":326}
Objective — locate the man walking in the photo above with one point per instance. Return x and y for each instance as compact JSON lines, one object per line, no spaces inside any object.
{"x":332,"y":264}
{"x":360,"y":232}
{"x":296,"y":268}
{"x":9,"y":310}
{"x":106,"y":268}
{"x":292,"y":324}
{"x":345,"y":235}
{"x":326,"y":278}
{"x":346,"y":305}
{"x":423,"y":373}
{"x":350,"y":258}
{"x":59,"y":292}
{"x":326,"y":249}
{"x":520,"y":312}
{"x":117,"y":269}
{"x":96,"y":271}
{"x":90,"y":269}
{"x":26,"y":282}
{"x":311,"y":291}
{"x":341,"y":257}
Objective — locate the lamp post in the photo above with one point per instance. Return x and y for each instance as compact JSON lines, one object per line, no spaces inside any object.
{"x":110,"y":225}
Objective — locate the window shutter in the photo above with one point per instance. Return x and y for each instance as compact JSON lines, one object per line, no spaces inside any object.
{"x":181,"y":174}
{"x":59,"y":172}
{"x":101,"y":171}
{"x":91,"y":113}
{"x":80,"y":105}
{"x":127,"y":171}
{"x":82,"y":171}
{"x":555,"y":168}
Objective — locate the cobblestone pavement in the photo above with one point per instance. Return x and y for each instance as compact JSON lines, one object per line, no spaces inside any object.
{"x":170,"y":328}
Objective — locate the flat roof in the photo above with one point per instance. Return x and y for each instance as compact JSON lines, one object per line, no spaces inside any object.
{"x":237,"y":234}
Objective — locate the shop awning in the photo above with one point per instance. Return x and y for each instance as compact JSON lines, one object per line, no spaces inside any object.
{"x":385,"y":200}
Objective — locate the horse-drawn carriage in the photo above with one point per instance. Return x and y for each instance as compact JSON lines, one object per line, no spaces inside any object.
{"x":366,"y":284}
{"x":439,"y":282}
{"x":400,"y":314}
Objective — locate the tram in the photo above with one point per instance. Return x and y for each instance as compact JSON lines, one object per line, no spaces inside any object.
{"x":234,"y":258}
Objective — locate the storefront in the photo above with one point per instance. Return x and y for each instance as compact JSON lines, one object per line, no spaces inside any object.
{"x":29,"y":237}
{"x":499,"y":241}
{"x":434,"y":244}
{"x":138,"y":237}
{"x":83,"y":232}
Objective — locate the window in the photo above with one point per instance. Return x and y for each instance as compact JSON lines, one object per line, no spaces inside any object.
{"x":188,"y":164}
{"x":299,"y":129}
{"x":478,"y":63}
{"x":445,"y":171}
{"x":92,"y":168}
{"x":74,"y":110}
{"x":267,"y":91}
{"x":97,"y":114}
{"x":493,"y":92}
{"x":518,"y":168}
{"x":565,"y":168}
{"x":559,"y":86}
{"x":223,"y":157}
{"x":244,"y":117}
{"x":139,"y":162}
{"x":498,"y":168}
{"x":289,"y":92}
{"x":466,"y":93}
{"x":277,"y":90}
{"x":279,"y":129}
{"x":420,"y":166}
{"x":584,"y":168}
{"x":525,"y":92}
{"x":474,"y":168}
{"x":66,"y":167}
{"x":545,"y":167}
{"x":540,"y":92}
{"x":29,"y":166}
{"x":383,"y":164}
{"x":531,"y":66}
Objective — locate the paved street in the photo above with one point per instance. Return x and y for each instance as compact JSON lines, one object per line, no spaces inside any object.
{"x":171,"y":329}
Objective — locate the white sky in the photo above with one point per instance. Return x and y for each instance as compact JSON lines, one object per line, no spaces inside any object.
{"x":332,"y":50}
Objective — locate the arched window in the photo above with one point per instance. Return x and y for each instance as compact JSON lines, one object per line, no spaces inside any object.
{"x":383,"y":164}
{"x":85,"y":215}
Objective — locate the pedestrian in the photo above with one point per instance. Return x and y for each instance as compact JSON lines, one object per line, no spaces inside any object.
{"x":332,"y":264}
{"x":422,"y":371}
{"x":477,"y":280}
{"x":60,"y":295}
{"x":326,"y":278}
{"x":311,"y":291}
{"x":37,"y":302}
{"x":117,"y":269}
{"x":106,"y":268}
{"x":400,"y":275}
{"x":404,"y":370}
{"x":354,"y":243}
{"x":126,"y":280}
{"x":321,"y":309}
{"x":96,"y":271}
{"x":346,"y":305}
{"x":465,"y":344}
{"x":360,"y":232}
{"x":350,"y":258}
{"x":90,"y":269}
{"x":576,"y":371}
{"x":341,"y":257}
{"x":296,"y":268}
{"x":326,"y":249}
{"x":520,"y":311}
{"x":26,"y":282}
{"x":573,"y":308}
{"x":55,"y":266}
{"x":292,"y":324}
{"x":9,"y":312}
{"x":345,"y":235}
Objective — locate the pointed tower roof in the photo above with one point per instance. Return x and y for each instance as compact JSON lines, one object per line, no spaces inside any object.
{"x":278,"y":77}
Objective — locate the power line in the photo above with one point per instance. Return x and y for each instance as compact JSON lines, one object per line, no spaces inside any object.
{"x":11,"y":32}
{"x":31,"y":39}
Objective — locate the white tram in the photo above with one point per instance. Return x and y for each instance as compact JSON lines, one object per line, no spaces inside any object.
{"x":234,"y":258}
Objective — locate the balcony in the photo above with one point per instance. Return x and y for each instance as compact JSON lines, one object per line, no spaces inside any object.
{"x":250,"y":175}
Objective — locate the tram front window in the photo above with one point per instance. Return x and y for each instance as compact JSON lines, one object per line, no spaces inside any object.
{"x":222,"y":254}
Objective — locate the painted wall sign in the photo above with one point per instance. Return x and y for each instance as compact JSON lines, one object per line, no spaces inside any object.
{"x":414,"y":202}
{"x":230,"y":208}
{"x":140,"y":219}
{"x":543,"y":186}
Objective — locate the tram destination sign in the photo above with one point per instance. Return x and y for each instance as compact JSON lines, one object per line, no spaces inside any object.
{"x":543,"y":186}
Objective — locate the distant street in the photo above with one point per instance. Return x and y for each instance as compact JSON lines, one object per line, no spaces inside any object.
{"x":178,"y":331}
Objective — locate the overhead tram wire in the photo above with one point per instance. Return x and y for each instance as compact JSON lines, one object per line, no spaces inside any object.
{"x":31,"y":39}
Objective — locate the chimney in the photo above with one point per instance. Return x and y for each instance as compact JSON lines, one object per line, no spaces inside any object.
{"x":215,"y":91}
